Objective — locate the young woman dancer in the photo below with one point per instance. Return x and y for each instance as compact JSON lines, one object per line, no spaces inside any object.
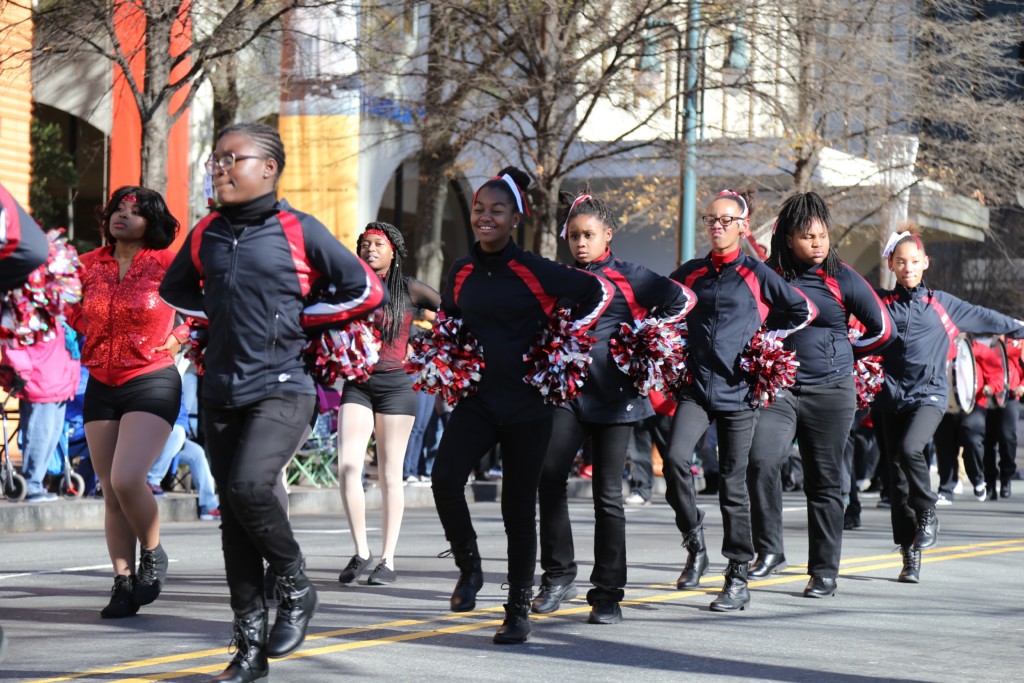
{"x":735,"y":295}
{"x":818,"y":410}
{"x":385,"y":404}
{"x":504,"y":296}
{"x":134,"y":390}
{"x":605,"y":411}
{"x":916,"y":391}
{"x":248,"y":268}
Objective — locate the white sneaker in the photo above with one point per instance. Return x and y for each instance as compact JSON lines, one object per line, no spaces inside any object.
{"x":636,"y":499}
{"x":959,"y":488}
{"x":412,"y":479}
{"x":981,"y":493}
{"x":944,"y":500}
{"x":863,"y":485}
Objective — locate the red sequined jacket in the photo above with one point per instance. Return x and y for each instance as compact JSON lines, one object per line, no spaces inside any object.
{"x":124,"y":321}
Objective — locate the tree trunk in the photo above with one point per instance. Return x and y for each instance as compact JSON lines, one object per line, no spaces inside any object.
{"x":545,"y":219}
{"x":431,"y":194}
{"x":154,"y":100}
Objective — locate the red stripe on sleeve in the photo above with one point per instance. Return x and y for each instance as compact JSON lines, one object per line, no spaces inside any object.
{"x":754,"y":285}
{"x":197,"y":239}
{"x":620,"y":281}
{"x":460,"y":279}
{"x":304,"y":270}
{"x":12,"y":230}
{"x":546,"y":301}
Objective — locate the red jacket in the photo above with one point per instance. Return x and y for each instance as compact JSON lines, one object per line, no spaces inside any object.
{"x":124,"y":321}
{"x":988,"y":370}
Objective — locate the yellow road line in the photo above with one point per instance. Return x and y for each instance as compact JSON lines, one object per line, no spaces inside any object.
{"x":887,"y":561}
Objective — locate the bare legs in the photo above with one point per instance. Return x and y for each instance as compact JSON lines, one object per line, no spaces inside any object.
{"x":356,"y":424}
{"x":122,"y":453}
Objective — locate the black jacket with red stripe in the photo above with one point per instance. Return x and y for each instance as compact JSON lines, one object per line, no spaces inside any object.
{"x":23,"y":246}
{"x":823,"y":348}
{"x":732,"y":303}
{"x":926,"y":322}
{"x":505,"y":300}
{"x":609,"y":395}
{"x":253,"y":283}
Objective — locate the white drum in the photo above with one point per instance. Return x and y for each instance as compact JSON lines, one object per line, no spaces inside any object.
{"x":961,"y":373}
{"x":999,"y":346}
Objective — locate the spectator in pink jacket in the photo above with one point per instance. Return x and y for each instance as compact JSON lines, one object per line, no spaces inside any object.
{"x":48,"y":378}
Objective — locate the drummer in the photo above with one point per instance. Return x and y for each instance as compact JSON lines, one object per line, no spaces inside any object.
{"x":964,"y":426}
{"x":1001,"y":424}
{"x":914,"y":396}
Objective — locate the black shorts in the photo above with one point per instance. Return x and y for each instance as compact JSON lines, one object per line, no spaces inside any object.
{"x":387,"y":393}
{"x":157,"y":393}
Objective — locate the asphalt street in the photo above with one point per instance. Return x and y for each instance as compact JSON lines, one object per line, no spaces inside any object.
{"x":963,"y":622}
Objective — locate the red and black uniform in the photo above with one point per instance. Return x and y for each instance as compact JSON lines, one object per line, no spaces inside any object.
{"x":388,"y":391}
{"x":605,"y":411}
{"x":735,"y":295}
{"x":505,"y":300}
{"x":916,"y":391}
{"x":249,"y":270}
{"x":967,"y":431}
{"x":818,"y":411}
{"x":23,"y":246}
{"x":124,"y":320}
{"x":1001,"y":428}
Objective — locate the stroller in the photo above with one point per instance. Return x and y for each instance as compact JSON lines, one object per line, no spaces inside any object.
{"x":14,"y":486}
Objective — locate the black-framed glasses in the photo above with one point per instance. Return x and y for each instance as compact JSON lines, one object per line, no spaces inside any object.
{"x":726,"y":221}
{"x":227,"y":162}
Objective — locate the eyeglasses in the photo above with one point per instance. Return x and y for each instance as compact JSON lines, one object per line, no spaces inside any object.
{"x":726,"y":221}
{"x":227,"y":162}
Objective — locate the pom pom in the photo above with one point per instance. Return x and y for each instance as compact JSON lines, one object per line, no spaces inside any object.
{"x":868,"y":376}
{"x":448,"y":361}
{"x":652,"y":352}
{"x":771,"y":368}
{"x":348,"y":353}
{"x":559,"y":359}
{"x":33,"y":311}
{"x":195,"y":346}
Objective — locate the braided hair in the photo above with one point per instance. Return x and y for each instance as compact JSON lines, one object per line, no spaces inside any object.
{"x":796,"y":215}
{"x":585,"y":204}
{"x":393,"y":316}
{"x":265,"y":138}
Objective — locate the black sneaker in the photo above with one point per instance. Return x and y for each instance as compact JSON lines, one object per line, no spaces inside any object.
{"x":149,"y":580}
{"x":605,"y":611}
{"x":354,"y":569}
{"x":122,"y":602}
{"x":382,"y":575}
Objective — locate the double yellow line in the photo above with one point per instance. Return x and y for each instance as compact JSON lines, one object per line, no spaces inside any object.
{"x":859,"y":564}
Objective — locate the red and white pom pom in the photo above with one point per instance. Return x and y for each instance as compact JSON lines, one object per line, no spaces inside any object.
{"x":346,"y":354}
{"x":771,"y":368}
{"x":678,"y":375}
{"x":449,"y":361}
{"x":651,"y":352}
{"x":32,"y":312}
{"x":195,"y":346}
{"x":559,"y":359}
{"x":868,"y":376}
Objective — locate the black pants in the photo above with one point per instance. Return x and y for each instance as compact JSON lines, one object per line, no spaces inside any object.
{"x":1001,"y":440}
{"x":557,"y":555}
{"x":248,"y":446}
{"x":956,"y":431}
{"x":819,"y":416}
{"x":652,"y":431}
{"x":904,"y":437}
{"x":735,"y":432}
{"x":471,"y":433}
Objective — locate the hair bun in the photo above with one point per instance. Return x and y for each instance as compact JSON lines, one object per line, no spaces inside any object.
{"x":520,"y":177}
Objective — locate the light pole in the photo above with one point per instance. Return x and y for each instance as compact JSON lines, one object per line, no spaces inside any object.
{"x":686,"y":246}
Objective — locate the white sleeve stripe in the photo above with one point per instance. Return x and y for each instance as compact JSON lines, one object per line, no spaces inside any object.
{"x":326,"y":308}
{"x":607,"y":293}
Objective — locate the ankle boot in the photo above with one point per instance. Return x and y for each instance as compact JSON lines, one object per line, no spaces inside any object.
{"x":516,"y":627}
{"x":250,"y":641}
{"x":696,"y":560}
{"x":122,"y":599}
{"x":471,"y":576}
{"x":296,"y":602}
{"x":152,"y":574}
{"x":927,"y":529}
{"x":911,"y":572}
{"x":734,"y":595}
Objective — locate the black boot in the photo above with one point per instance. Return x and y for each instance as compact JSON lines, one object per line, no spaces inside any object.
{"x":696,"y":560}
{"x":151,"y":576}
{"x":296,"y":602}
{"x":927,"y":529}
{"x":734,"y":595}
{"x":471,"y":576}
{"x":516,"y":627}
{"x":250,"y":642}
{"x":122,"y":600}
{"x":911,"y":572}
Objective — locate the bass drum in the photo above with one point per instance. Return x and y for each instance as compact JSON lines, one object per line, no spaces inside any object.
{"x":999,"y":346}
{"x":961,"y":373}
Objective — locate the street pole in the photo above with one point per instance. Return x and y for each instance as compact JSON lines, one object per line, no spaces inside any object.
{"x":688,"y":178}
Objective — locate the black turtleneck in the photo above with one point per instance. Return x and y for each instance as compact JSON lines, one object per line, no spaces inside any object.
{"x":250,"y":213}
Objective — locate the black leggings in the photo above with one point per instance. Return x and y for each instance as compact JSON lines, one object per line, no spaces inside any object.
{"x":248,"y":447}
{"x":904,"y":437}
{"x":557,"y":555}
{"x":471,"y":433}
